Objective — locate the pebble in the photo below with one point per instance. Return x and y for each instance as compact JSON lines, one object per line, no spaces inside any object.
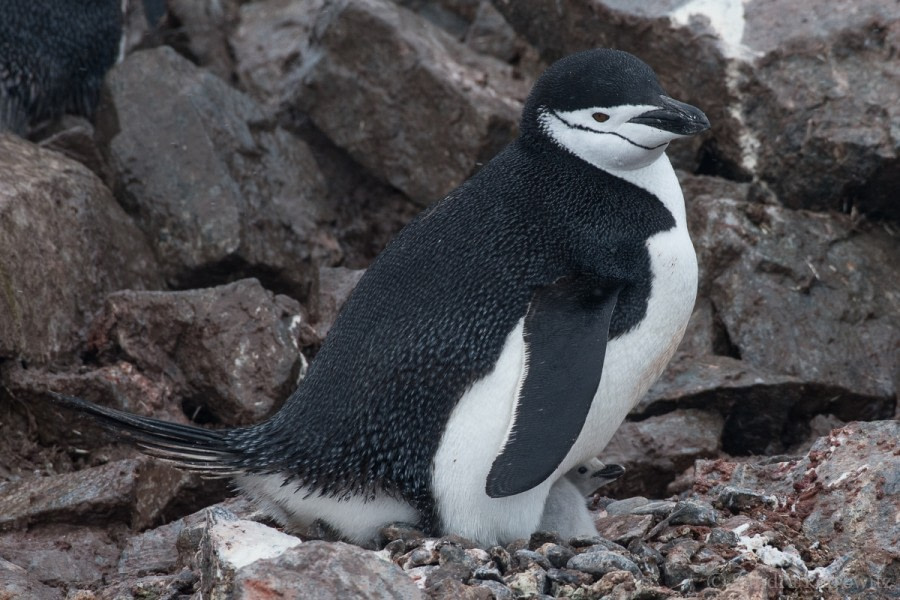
{"x":602,"y":562}
{"x":626,"y":506}
{"x":557,"y":555}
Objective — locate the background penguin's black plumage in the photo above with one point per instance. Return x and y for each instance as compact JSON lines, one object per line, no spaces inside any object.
{"x":53,"y":57}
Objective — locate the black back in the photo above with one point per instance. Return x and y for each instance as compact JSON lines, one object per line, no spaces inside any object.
{"x":53,"y":56}
{"x":432,"y":313}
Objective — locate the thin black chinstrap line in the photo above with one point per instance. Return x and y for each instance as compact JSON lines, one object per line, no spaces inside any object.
{"x":584,"y":128}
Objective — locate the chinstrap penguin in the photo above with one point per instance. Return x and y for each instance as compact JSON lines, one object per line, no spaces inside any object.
{"x":564,"y":511}
{"x":53,"y":57}
{"x":497,"y":342}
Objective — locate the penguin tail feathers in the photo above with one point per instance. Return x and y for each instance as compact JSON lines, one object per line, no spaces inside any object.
{"x":193,"y":448}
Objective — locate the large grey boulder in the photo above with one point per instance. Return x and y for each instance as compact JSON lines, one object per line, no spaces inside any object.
{"x":384,"y":84}
{"x":219,"y":189}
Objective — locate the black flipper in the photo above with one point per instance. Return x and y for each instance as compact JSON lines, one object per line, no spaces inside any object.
{"x":193,"y":448}
{"x":566,"y":331}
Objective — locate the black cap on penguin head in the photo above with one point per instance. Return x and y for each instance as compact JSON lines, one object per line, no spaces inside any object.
{"x":601,"y":77}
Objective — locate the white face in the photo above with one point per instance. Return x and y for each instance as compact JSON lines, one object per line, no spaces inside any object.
{"x":603,"y":136}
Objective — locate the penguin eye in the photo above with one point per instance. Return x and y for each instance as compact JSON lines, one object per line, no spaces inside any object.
{"x":600,"y":117}
{"x":582,"y":470}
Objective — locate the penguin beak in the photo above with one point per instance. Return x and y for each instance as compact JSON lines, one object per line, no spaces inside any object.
{"x":609,"y":472}
{"x":675,"y":117}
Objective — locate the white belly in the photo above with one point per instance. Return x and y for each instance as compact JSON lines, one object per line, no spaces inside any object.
{"x":478,"y":425}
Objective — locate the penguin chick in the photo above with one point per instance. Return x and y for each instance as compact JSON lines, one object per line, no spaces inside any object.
{"x":565,"y":511}
{"x":53,"y":57}
{"x":497,"y":342}
{"x":594,"y":474}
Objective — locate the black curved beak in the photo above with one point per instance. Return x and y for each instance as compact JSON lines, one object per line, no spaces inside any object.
{"x":675,"y":117}
{"x":609,"y":472}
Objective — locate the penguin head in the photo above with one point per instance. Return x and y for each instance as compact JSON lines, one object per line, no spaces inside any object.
{"x":608,"y":108}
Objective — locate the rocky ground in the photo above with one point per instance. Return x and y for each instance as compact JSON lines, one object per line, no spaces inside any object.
{"x":184,"y":256}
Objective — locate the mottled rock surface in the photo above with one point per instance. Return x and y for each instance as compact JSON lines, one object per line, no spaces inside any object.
{"x":391,"y":84}
{"x":217,"y":188}
{"x":231,"y":350}
{"x":61,"y":231}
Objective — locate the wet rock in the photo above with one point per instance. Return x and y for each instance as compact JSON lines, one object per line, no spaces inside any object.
{"x":600,"y":563}
{"x":59,"y":224}
{"x":333,"y":569}
{"x":17,"y":582}
{"x":219,"y":190}
{"x":230,"y":544}
{"x":406,"y":71}
{"x":653,"y":450}
{"x":64,"y":555}
{"x":787,"y":89}
{"x":229,"y":351}
{"x":135,"y":491}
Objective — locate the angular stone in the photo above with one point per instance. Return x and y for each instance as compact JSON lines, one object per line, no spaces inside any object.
{"x":406,"y":85}
{"x":236,"y":344}
{"x":16,"y":582}
{"x":602,"y":562}
{"x":802,"y":95}
{"x":625,"y":528}
{"x":135,"y":491}
{"x":335,"y":571}
{"x":64,"y":555}
{"x":207,"y":25}
{"x":229,"y":544}
{"x":837,"y":293}
{"x":335,"y":286}
{"x":60,"y":225}
{"x":217,"y":188}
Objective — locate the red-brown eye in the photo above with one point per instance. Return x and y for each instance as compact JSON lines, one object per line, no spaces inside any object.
{"x":600,"y":117}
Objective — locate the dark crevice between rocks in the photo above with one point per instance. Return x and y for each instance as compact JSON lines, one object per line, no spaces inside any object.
{"x":721,"y":341}
{"x":197,"y":411}
{"x":714,"y":162}
{"x":234,"y":268}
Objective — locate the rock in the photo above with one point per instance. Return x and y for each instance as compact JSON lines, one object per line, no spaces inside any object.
{"x":654,"y":450}
{"x":623,"y":529}
{"x":151,"y":552}
{"x":693,"y":512}
{"x":740,"y":499}
{"x":229,"y":544}
{"x":837,"y":293}
{"x":500,"y":591}
{"x":59,"y":224}
{"x":490,"y":34}
{"x":600,"y":563}
{"x":556,"y":555}
{"x":333,"y":569}
{"x":230,"y":353}
{"x":335,"y":285}
{"x":135,"y":491}
{"x":63,"y":555}
{"x":844,"y":493}
{"x":74,"y":137}
{"x":16,"y":582}
{"x":392,"y":85}
{"x":527,"y":584}
{"x":219,"y":190}
{"x":805,"y":103}
{"x":206,"y":27}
